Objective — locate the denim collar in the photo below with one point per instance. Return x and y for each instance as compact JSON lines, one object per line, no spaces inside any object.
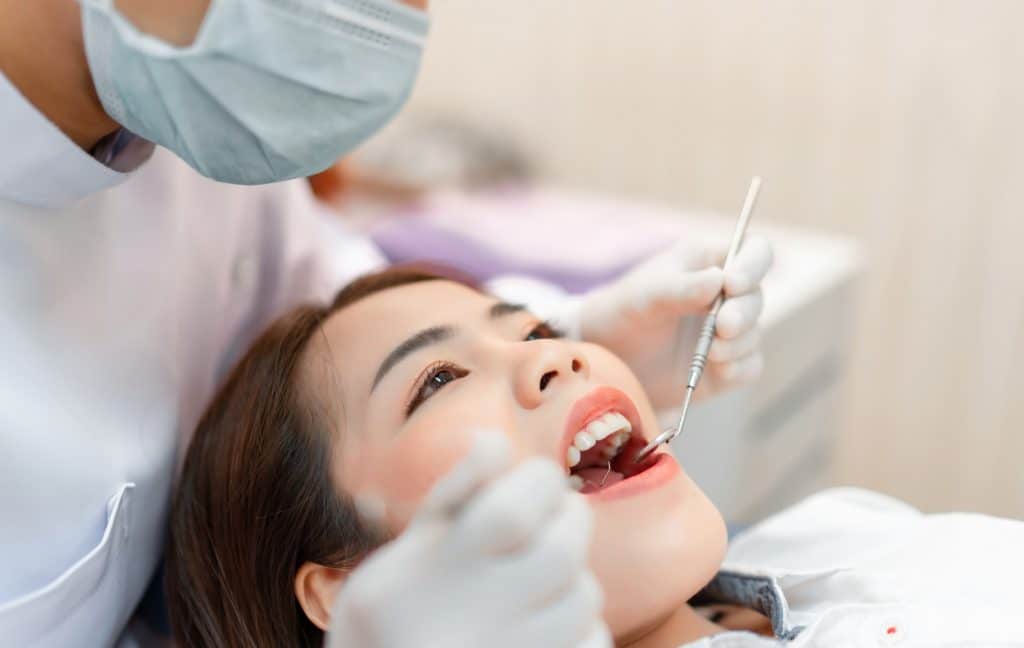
{"x":760,"y":593}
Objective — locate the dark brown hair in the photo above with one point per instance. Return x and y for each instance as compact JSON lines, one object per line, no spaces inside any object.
{"x":255,"y":499}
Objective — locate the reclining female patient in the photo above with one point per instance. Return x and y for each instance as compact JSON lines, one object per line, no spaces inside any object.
{"x":843,"y":568}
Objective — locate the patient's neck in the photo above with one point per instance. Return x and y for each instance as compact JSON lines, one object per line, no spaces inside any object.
{"x":681,"y":626}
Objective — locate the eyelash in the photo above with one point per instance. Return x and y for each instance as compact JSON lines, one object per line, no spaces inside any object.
{"x":544,"y":331}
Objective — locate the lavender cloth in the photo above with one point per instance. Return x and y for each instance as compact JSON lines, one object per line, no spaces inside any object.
{"x":412,"y":239}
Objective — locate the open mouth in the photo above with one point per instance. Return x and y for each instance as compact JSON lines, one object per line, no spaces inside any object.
{"x":607,"y":437}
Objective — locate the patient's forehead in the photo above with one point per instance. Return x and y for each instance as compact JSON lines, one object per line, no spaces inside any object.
{"x":404,"y":310}
{"x":358,"y":336}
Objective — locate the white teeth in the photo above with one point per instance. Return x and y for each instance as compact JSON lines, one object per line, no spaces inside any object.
{"x":602,"y":427}
{"x":572,"y":456}
{"x":624,"y":422}
{"x":584,"y":440}
{"x":612,"y":426}
{"x":575,"y":482}
{"x":610,"y":422}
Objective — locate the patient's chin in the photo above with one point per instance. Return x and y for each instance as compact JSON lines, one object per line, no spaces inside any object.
{"x":652,"y":562}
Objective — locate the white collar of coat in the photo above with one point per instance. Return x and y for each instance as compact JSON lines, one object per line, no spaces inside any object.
{"x":40,"y":165}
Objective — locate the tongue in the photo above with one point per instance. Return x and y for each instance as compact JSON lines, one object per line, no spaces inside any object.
{"x":592,"y":478}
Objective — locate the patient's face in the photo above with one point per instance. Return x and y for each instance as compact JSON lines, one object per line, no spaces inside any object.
{"x":657,"y":539}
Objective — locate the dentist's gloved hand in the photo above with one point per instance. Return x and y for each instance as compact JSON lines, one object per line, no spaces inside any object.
{"x":651,"y":317}
{"x":493,"y":557}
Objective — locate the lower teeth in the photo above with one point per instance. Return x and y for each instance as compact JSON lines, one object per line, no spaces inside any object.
{"x":595,"y":478}
{"x":607,"y":454}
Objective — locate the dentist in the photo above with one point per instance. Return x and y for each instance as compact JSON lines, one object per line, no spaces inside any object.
{"x":135,"y":268}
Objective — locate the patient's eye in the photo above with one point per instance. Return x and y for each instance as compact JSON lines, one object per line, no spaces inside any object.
{"x":439,"y":374}
{"x":543,"y":331}
{"x":431,"y":381}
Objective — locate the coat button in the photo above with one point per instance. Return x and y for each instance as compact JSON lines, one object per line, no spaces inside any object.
{"x":243,"y":274}
{"x":891,"y":632}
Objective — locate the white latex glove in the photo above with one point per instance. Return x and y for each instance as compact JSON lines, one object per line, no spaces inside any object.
{"x":492,"y":558}
{"x":651,"y":317}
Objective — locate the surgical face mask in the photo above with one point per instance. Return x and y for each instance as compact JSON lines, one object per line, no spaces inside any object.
{"x":269,"y":90}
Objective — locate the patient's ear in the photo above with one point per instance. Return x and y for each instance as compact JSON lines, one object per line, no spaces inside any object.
{"x":315,"y":588}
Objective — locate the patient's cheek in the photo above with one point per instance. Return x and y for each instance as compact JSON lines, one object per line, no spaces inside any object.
{"x":416,"y":462}
{"x":402,"y":469}
{"x":428,"y":447}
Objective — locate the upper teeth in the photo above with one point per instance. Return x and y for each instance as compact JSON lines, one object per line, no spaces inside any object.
{"x":596,"y":431}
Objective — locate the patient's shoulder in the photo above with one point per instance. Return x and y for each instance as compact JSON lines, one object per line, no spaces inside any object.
{"x":851,"y":528}
{"x":823,"y":532}
{"x":833,"y":509}
{"x":842,"y":504}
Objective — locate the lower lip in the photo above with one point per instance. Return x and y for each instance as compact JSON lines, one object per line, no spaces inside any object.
{"x":664,"y":470}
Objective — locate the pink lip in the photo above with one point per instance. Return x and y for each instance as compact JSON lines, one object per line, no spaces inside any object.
{"x":593,"y":406}
{"x":663,"y":467}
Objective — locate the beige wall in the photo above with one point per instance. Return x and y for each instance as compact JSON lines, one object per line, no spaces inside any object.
{"x":901,"y":123}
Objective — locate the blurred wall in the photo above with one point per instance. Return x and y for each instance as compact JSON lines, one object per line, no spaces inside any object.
{"x":899,"y":123}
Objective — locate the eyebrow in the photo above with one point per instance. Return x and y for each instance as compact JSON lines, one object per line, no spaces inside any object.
{"x":500,"y":309}
{"x":434,"y":335}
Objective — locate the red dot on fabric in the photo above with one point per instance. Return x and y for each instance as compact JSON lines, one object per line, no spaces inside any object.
{"x":890,"y":630}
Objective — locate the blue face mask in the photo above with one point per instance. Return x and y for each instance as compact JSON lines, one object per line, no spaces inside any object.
{"x":269,"y":90}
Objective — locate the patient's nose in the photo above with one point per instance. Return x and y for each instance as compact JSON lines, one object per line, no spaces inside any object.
{"x":547,"y":367}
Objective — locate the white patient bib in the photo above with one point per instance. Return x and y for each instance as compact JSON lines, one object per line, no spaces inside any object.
{"x":851,"y":568}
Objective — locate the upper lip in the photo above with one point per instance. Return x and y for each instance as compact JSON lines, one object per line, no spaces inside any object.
{"x":592,"y":406}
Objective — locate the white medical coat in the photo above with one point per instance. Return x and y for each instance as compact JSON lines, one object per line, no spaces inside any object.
{"x":123,"y":300}
{"x":857,"y":569}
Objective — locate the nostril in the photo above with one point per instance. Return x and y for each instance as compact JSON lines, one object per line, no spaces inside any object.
{"x":576,"y":365}
{"x":546,"y":378}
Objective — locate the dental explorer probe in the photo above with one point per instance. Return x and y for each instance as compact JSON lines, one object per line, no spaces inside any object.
{"x":707,"y":331}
